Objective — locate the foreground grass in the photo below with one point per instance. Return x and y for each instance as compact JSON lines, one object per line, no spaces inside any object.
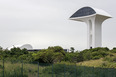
{"x":64,"y":69}
{"x":92,"y":63}
{"x":98,"y":63}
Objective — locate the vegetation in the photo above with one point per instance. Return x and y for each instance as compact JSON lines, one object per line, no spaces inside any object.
{"x":55,"y":70}
{"x":96,"y":62}
{"x":56,"y":54}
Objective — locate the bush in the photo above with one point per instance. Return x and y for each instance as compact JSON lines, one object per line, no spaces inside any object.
{"x":60,"y":69}
{"x":114,"y":59}
{"x":96,"y":57}
{"x":1,"y":66}
{"x":107,"y":58}
{"x":110,"y":59}
{"x":113,"y":50}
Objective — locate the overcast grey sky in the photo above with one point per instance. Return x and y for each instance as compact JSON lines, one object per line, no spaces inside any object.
{"x":44,"y":23}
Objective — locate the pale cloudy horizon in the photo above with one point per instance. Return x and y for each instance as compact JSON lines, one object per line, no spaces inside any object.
{"x":44,"y":23}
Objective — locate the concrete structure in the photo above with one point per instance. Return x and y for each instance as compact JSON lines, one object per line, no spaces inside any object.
{"x":93,"y":18}
{"x":26,"y":46}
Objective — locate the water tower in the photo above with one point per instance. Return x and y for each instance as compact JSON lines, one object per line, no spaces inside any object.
{"x":93,"y":18}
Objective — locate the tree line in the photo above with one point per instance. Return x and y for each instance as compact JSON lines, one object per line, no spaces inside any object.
{"x":55,"y":54}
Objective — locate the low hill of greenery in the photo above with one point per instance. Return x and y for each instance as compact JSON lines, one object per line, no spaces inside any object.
{"x":105,"y":62}
{"x":97,"y":57}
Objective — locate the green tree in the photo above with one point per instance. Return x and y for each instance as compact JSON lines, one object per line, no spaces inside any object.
{"x":57,"y":49}
{"x":72,"y":49}
{"x":50,"y":55}
{"x":113,"y":50}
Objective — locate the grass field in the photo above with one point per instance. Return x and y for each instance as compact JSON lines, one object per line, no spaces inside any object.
{"x":92,"y":63}
{"x":98,"y":63}
{"x":18,"y":69}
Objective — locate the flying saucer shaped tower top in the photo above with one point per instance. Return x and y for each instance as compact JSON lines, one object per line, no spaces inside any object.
{"x":93,"y":18}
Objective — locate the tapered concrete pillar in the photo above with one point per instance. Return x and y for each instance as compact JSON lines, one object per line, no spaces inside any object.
{"x":93,"y":18}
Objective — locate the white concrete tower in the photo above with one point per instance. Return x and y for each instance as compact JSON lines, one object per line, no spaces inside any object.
{"x":93,"y":18}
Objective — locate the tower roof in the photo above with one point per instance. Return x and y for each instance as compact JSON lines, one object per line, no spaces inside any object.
{"x":88,"y":11}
